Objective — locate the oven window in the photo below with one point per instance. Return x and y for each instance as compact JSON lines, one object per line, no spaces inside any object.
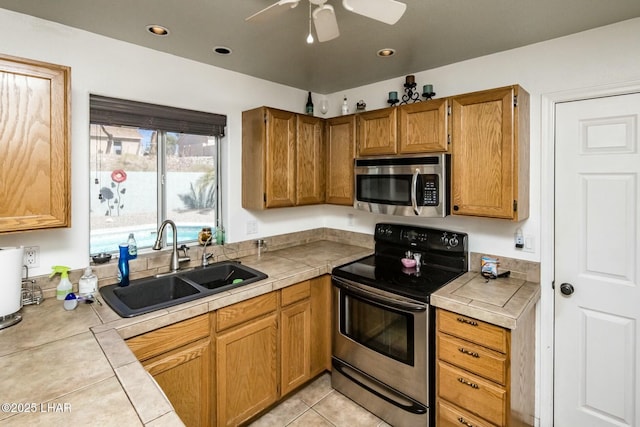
{"x":384,"y":189}
{"x":380,"y":328}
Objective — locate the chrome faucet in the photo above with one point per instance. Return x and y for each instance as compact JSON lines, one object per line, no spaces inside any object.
{"x":205,"y":255}
{"x":175,"y":260}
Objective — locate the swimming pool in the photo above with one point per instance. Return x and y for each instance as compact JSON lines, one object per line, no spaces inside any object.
{"x":109,"y":240}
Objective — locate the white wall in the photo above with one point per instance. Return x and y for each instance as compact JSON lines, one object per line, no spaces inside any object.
{"x":109,"y":67}
{"x":605,"y":55}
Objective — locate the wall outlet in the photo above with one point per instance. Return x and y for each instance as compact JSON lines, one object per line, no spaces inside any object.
{"x":529,"y":244}
{"x":252,"y":227}
{"x":31,"y":256}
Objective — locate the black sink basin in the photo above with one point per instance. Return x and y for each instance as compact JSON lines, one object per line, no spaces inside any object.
{"x":224,"y":275}
{"x":154,"y":293}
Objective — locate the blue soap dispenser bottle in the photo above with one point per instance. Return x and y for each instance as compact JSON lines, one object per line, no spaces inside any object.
{"x":123,"y":265}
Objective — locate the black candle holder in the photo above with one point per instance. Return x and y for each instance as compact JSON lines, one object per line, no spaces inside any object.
{"x":428,"y":95}
{"x":410,"y":95}
{"x":393,"y":102}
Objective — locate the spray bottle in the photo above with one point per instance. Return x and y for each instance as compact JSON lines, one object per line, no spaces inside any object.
{"x":64,"y":287}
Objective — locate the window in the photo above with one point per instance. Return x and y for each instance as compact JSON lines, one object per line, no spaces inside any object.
{"x":149,"y":163}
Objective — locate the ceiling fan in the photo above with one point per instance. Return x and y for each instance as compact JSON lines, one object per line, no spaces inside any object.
{"x":324,"y":17}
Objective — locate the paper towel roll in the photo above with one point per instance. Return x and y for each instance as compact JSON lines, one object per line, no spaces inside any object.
{"x":10,"y":280}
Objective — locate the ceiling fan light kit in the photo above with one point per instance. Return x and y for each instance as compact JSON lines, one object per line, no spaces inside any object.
{"x":324,"y":16}
{"x":324,"y":19}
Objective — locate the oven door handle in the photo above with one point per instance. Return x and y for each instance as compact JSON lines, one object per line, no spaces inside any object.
{"x":378,"y":299}
{"x":414,"y":188}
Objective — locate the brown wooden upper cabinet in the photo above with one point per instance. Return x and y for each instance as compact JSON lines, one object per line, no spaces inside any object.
{"x":422,"y":127}
{"x":408,"y":129}
{"x":35,"y":107}
{"x":340,"y":152}
{"x":310,"y":152}
{"x":377,"y":132}
{"x":282,"y":159}
{"x":490,"y":153}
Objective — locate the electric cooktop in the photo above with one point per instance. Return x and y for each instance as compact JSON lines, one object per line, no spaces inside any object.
{"x":443,"y":257}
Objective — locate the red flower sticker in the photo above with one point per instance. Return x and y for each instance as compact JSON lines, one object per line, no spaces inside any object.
{"x":119,"y":176}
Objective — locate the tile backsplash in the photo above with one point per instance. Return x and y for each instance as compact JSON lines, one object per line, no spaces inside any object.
{"x":154,"y":262}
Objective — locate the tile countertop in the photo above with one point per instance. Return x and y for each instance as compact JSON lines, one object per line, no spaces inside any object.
{"x":62,"y":367}
{"x":501,"y":301}
{"x":74,"y":367}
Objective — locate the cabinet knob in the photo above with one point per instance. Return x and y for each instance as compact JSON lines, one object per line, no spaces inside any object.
{"x":465,"y":422}
{"x":456,"y":207}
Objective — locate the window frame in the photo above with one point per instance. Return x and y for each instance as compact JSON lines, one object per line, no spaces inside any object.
{"x":163,"y":120}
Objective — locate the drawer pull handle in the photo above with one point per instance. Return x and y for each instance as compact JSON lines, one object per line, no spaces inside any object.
{"x":465,"y":422}
{"x":467,"y":321}
{"x":470,"y":384}
{"x":470,"y":353}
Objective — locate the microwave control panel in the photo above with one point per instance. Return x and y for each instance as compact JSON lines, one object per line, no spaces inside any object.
{"x":430,"y":191}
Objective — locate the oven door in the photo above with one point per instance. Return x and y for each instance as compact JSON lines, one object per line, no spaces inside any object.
{"x":384,"y":336}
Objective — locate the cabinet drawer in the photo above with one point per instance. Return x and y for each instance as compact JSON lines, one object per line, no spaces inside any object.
{"x":295,"y":293}
{"x":473,"y":358}
{"x":168,"y":338}
{"x":472,"y":393}
{"x":246,"y":310}
{"x":473,"y":330}
{"x":449,"y":415}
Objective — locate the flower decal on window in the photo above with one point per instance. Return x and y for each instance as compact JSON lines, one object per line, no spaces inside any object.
{"x":119,"y":176}
{"x":114,"y":199}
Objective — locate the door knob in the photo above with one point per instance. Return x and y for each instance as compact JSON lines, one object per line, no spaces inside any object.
{"x":566,"y":289}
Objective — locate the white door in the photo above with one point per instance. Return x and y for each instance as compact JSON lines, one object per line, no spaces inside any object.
{"x":597,"y":295}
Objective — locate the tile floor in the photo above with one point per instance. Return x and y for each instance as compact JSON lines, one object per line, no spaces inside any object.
{"x":318,"y":405}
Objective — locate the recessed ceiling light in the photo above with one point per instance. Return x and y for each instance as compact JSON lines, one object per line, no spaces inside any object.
{"x":386,"y":52}
{"x":222,"y":50}
{"x":158,"y":30}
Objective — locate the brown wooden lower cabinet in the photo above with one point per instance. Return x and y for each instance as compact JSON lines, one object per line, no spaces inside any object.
{"x":484,"y":373}
{"x":179,"y":359}
{"x":246,"y":370}
{"x":452,"y":416}
{"x":225,"y":368}
{"x":295,"y":337}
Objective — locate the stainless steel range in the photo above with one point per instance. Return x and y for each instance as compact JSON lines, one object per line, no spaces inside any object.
{"x":384,"y":327}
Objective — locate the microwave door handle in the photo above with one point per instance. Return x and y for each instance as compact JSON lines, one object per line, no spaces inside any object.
{"x":414,"y":189}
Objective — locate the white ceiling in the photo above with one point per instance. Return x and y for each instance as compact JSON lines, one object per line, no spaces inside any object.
{"x":432,"y":33}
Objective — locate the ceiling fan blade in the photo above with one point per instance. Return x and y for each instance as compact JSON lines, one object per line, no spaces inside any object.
{"x":324,"y":19}
{"x":273,"y":10}
{"x":387,"y":11}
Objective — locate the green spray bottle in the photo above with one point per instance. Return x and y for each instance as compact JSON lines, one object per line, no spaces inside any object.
{"x":64,"y":287}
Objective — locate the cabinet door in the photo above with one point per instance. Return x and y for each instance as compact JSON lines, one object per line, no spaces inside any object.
{"x":490,"y":154}
{"x":309,"y":161}
{"x":320,"y":324}
{"x":246,"y":370}
{"x":295,"y":345}
{"x":184,"y":376}
{"x":423,"y":127}
{"x":341,"y":142}
{"x":35,"y":145}
{"x":280,"y":179}
{"x":377,"y":132}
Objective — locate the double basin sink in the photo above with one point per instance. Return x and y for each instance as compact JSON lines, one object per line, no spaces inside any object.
{"x":154,"y":293}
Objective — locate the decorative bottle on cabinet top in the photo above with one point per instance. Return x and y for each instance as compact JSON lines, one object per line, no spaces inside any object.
{"x":309,"y":107}
{"x":345,"y":106}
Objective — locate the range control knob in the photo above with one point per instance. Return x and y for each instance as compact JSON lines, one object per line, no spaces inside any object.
{"x":444,"y":239}
{"x":453,"y":241}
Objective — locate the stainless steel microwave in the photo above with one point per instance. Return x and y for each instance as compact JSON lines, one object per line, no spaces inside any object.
{"x":407,"y":186}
